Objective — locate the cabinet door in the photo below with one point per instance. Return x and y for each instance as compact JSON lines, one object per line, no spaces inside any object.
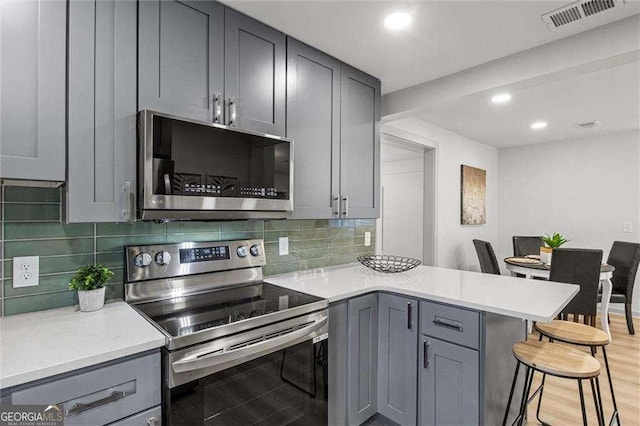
{"x":449,"y":384}
{"x":254,"y":77}
{"x":363,"y":362}
{"x":181,"y":62}
{"x":33,"y":89}
{"x":313,"y":122}
{"x":360,"y":144}
{"x":151,"y":417}
{"x":397,"y":358}
{"x":102,"y":110}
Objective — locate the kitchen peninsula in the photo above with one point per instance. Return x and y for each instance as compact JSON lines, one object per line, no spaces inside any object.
{"x":452,"y":329}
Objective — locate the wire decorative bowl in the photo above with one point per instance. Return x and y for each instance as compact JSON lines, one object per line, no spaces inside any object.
{"x":389,"y":264}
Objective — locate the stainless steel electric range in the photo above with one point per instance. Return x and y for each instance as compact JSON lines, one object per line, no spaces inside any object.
{"x":239,"y":350}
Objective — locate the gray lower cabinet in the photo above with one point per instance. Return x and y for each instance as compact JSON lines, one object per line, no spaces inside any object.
{"x":419,"y":362}
{"x":126,"y":390}
{"x":151,"y":417}
{"x":254,"y":76}
{"x":397,"y":358}
{"x":359,"y":144}
{"x":33,"y":89}
{"x":313,"y":122}
{"x":362,"y":358}
{"x":181,"y":58}
{"x":449,"y":384}
{"x":102,"y":111}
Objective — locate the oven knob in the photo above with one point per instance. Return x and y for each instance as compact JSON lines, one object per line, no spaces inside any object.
{"x":242,"y":251}
{"x":163,"y":258}
{"x":255,"y":250}
{"x":142,"y":260}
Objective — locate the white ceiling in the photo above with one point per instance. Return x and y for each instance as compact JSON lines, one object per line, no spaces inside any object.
{"x":445,"y":36}
{"x":611,"y":96}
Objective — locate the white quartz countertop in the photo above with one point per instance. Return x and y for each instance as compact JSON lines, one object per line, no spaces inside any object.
{"x":41,"y":344}
{"x":534,"y":300}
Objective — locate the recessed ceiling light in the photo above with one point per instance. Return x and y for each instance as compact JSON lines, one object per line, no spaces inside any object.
{"x":501,"y":98}
{"x":397,"y":21}
{"x":537,"y":125}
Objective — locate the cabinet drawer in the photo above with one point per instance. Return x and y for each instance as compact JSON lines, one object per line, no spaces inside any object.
{"x":103,"y":395}
{"x":151,"y":417}
{"x":449,"y":323}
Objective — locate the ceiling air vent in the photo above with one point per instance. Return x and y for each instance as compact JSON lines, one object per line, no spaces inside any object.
{"x":577,"y":11}
{"x":588,"y":125}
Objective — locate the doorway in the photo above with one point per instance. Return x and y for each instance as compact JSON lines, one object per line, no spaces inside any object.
{"x":406,"y":225}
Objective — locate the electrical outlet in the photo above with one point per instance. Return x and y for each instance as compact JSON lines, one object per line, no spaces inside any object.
{"x":627,"y":227}
{"x":367,"y":239}
{"x":26,"y":271}
{"x":283,"y":246}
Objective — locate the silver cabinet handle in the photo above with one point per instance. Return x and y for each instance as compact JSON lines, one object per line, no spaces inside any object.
{"x":441,"y":323}
{"x":217,"y":107}
{"x":336,"y":207}
{"x":195,"y":362}
{"x":425,"y":354}
{"x":345,"y":206}
{"x":78,"y":408}
{"x":233,"y":110}
{"x":128,"y":203}
{"x":152,"y":421}
{"x":409,"y":315}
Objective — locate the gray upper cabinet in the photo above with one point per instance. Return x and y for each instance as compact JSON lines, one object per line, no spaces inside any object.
{"x":333,"y":116}
{"x":102,"y":111}
{"x":360,"y":144}
{"x":33,"y":89}
{"x":397,"y":358}
{"x":313,"y":121}
{"x":449,"y":384}
{"x":181,"y":58}
{"x":362,"y":358}
{"x":254,"y":77}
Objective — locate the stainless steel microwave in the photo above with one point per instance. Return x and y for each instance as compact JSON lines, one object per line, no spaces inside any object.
{"x":192,"y":170}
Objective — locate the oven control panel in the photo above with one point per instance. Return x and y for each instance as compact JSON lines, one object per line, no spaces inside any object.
{"x":181,"y":259}
{"x":204,"y":254}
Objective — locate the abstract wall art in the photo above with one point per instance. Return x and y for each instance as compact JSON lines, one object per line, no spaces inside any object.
{"x":473,"y":195}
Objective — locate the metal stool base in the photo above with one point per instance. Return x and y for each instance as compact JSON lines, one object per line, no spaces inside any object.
{"x":526,"y":399}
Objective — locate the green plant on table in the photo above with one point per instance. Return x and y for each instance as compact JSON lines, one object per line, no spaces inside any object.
{"x":554,"y":241}
{"x":90,"y":277}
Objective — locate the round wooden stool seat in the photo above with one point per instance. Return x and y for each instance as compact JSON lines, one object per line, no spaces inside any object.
{"x":557,"y":359}
{"x":573,"y":332}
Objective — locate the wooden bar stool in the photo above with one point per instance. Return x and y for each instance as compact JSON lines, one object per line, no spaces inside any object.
{"x":556,"y":360}
{"x":581,"y":335}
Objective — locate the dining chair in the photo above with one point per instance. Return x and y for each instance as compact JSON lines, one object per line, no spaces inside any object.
{"x":582,"y":267}
{"x":523,"y":246}
{"x":487,"y":257}
{"x":625,"y":257}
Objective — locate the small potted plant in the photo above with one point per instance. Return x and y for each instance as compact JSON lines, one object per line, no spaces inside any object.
{"x":551,"y":242}
{"x":89,"y":281}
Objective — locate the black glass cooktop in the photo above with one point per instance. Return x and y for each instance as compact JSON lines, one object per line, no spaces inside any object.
{"x":181,"y":316}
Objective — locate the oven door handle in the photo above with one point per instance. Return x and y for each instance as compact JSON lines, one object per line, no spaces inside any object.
{"x":194,"y":362}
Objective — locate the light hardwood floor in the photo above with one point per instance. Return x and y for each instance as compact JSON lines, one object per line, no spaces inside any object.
{"x":561,"y":403}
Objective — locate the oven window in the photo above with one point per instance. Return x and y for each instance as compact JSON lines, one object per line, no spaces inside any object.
{"x":288,"y":387}
{"x":203,"y":161}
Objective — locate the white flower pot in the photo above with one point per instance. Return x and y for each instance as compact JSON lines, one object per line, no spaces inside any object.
{"x":91,"y":300}
{"x":545,"y":255}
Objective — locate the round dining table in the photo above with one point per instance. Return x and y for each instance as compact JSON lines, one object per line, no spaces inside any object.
{"x":542,"y":270}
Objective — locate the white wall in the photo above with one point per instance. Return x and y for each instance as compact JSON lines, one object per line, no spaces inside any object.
{"x":401,"y":227}
{"x":454,"y":247}
{"x":581,"y":188}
